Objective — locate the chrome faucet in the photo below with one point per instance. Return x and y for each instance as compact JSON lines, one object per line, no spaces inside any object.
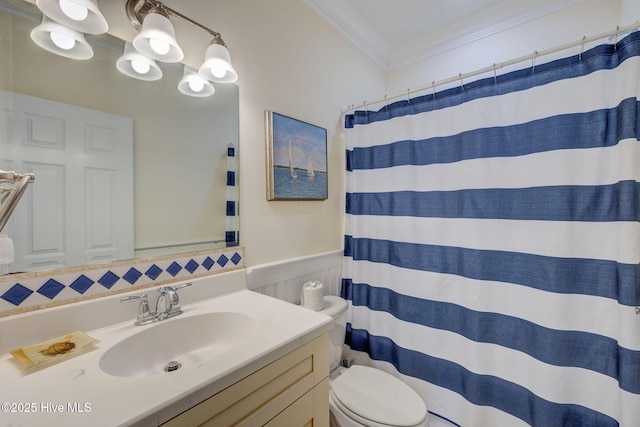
{"x":167,"y":305}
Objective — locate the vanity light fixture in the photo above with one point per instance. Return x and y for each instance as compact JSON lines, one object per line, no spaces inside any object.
{"x":136,"y":65}
{"x":65,"y":21}
{"x":217,"y":64}
{"x":193,"y":84}
{"x":61,"y":40}
{"x":81,"y":15}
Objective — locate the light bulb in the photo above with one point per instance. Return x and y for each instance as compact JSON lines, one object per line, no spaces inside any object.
{"x":196,"y":85}
{"x":219,"y":71}
{"x":73,"y":10}
{"x":62,"y":41}
{"x":140,"y":67}
{"x":160,"y":47}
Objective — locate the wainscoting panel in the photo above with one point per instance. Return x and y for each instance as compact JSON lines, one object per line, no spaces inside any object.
{"x":284,"y":279}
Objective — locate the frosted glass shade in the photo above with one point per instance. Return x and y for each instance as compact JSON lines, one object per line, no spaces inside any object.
{"x":70,"y":13}
{"x":156,"y":31}
{"x":133,"y":64}
{"x":61,"y":40}
{"x":217,"y":64}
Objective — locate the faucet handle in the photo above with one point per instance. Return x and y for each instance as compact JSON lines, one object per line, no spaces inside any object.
{"x":184,"y":285}
{"x":130,"y":298}
{"x":144,"y":312}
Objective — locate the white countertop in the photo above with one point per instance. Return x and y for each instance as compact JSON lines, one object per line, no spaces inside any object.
{"x":76,"y":392}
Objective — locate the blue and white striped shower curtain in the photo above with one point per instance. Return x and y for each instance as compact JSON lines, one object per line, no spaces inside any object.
{"x":492,"y":243}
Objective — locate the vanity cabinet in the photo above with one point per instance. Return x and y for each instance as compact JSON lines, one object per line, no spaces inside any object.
{"x":291,"y":391}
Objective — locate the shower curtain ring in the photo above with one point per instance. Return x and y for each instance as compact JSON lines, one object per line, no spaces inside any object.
{"x":495,"y":74}
{"x":461,"y":82}
{"x":584,"y":38}
{"x":408,"y":96}
{"x":533,"y":61}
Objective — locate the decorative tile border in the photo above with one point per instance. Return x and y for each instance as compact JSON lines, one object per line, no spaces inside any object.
{"x":31,"y":291}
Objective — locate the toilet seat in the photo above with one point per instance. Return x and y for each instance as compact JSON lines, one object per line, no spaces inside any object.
{"x":377,"y":399}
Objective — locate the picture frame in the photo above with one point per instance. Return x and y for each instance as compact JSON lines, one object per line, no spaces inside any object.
{"x":296,"y":159}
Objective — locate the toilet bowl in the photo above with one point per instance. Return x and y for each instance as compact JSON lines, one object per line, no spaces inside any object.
{"x":362,"y":395}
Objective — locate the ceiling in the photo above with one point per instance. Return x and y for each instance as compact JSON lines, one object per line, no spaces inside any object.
{"x":396,"y":33}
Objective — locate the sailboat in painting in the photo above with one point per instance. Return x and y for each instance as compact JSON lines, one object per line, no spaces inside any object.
{"x":292,"y":171}
{"x":310,"y":172}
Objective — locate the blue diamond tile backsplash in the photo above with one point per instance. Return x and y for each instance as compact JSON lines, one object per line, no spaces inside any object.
{"x":28,"y":291}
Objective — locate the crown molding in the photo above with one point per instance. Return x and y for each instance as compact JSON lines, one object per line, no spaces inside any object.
{"x":345,"y":18}
{"x":503,"y":16}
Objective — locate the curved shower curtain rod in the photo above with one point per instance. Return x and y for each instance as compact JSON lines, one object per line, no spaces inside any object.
{"x":496,"y":66}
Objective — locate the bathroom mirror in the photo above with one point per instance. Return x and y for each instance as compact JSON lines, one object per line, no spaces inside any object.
{"x":177,"y":154}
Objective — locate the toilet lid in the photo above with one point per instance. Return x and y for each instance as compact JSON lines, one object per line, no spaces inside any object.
{"x":378,"y":396}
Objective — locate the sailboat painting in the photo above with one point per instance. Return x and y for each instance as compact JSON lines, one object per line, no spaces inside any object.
{"x":297,"y":159}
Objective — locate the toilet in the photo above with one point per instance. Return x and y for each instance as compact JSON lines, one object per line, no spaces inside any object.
{"x":362,"y":395}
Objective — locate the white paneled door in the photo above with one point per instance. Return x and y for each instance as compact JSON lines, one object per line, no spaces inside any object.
{"x":80,"y":208}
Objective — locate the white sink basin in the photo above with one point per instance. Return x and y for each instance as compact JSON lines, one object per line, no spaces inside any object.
{"x":189,"y":341}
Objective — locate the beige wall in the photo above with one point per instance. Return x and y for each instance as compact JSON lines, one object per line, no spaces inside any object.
{"x":310,"y":76}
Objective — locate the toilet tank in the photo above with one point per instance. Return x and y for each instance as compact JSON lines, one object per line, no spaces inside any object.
{"x":336,"y":307}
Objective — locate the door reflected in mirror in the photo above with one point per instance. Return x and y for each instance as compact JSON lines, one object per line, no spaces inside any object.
{"x":124,"y":167}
